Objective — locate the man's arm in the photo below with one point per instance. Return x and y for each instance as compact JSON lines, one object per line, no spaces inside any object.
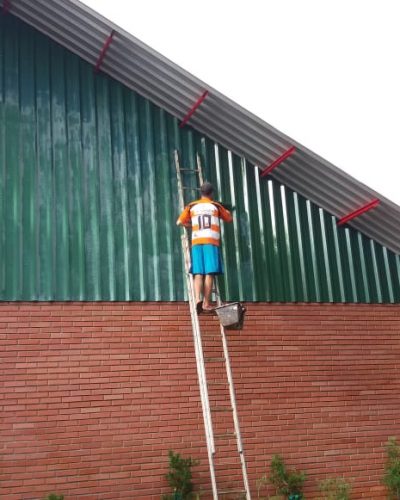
{"x":184,"y":219}
{"x":225,"y":214}
{"x":180,"y":223}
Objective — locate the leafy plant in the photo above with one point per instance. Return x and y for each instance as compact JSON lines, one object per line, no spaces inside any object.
{"x":54,"y":496}
{"x":335,"y":488}
{"x":288,"y":483}
{"x":179,"y":477}
{"x":392,"y":469}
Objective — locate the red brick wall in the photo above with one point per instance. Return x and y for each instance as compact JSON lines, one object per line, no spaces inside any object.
{"x":94,"y":394}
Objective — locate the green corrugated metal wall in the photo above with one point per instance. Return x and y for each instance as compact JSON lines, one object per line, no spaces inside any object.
{"x":88,"y":199}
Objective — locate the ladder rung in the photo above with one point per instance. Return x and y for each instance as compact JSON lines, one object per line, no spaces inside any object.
{"x":225,"y":435}
{"x":221,"y":408}
{"x":190,"y":188}
{"x":226,"y":492}
{"x":189,"y":170}
{"x":214,"y":359}
{"x":217,"y":383}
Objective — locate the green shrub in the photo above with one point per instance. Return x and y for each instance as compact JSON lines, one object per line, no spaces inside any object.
{"x":335,"y":489}
{"x":179,"y":477}
{"x":392,"y":469}
{"x":54,"y":496}
{"x":288,"y":483}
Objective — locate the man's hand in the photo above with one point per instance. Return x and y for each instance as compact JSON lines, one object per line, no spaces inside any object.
{"x":180,"y":223}
{"x":228,"y":206}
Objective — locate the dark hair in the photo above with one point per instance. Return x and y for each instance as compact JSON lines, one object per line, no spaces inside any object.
{"x":207,"y":189}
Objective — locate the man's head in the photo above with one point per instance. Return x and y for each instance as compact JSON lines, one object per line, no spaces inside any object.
{"x":207,"y":190}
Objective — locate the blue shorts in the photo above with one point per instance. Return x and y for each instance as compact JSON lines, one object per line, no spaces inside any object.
{"x":206,"y":259}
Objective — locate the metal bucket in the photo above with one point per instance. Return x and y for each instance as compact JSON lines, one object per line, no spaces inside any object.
{"x":231,"y":316}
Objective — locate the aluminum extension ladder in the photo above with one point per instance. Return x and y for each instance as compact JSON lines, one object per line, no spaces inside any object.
{"x":200,"y":358}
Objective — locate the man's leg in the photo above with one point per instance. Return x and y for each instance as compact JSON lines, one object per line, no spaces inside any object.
{"x":198,"y":286}
{"x":208,"y":286}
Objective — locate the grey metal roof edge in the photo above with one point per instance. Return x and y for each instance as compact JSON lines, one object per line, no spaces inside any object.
{"x":185,"y":88}
{"x":231,"y":103}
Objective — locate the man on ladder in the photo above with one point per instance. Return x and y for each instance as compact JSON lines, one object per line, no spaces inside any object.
{"x":204,"y":216}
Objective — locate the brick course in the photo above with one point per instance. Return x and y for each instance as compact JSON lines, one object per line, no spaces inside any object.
{"x":94,"y":394}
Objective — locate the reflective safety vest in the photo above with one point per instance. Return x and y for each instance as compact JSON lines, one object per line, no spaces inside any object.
{"x":205,"y":215}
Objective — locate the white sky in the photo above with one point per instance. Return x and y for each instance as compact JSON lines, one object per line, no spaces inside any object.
{"x":326,"y":73}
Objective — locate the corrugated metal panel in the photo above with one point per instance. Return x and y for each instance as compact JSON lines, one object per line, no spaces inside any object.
{"x":128,"y":60}
{"x":89,"y":198}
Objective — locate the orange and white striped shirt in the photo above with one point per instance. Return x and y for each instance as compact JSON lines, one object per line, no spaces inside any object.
{"x":205,"y":215}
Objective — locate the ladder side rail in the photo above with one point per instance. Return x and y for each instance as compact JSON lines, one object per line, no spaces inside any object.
{"x":198,"y":349}
{"x":197,"y":343}
{"x":200,"y":169}
{"x":232,"y":395}
{"x":202,"y":384}
{"x":234,"y":411}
